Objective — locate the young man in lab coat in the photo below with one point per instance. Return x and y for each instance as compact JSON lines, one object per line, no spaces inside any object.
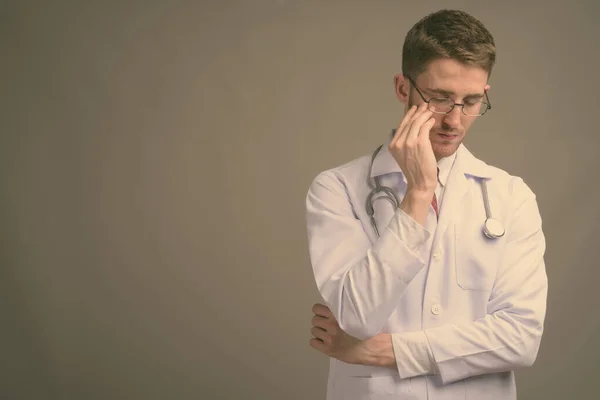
{"x":429,"y":308}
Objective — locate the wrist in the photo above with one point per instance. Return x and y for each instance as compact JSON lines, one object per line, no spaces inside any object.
{"x":419,"y":196}
{"x":416,"y":204}
{"x":379,"y":351}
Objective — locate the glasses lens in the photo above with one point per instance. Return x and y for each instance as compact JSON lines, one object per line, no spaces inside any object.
{"x":475,"y":108}
{"x":440,"y":106}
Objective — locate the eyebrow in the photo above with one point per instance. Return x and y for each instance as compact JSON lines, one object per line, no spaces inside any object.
{"x":449,"y":93}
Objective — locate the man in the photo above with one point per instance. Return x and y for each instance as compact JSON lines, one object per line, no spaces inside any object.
{"x":442,"y":293}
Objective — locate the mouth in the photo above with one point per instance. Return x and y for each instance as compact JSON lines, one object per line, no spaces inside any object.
{"x":448,"y":136}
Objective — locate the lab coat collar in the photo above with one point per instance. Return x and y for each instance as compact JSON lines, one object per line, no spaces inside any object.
{"x":466,"y":162}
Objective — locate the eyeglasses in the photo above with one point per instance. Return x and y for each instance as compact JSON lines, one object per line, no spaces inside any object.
{"x":470,"y":108}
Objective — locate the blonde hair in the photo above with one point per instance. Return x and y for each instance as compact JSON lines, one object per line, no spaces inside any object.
{"x":449,"y":34}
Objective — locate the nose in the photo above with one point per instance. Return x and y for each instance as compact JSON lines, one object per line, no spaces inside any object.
{"x":452,"y":119}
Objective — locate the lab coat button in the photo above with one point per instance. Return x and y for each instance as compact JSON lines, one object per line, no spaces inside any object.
{"x":436,"y":309}
{"x":437,"y":254}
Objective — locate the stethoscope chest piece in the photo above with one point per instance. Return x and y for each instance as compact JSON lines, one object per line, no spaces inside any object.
{"x":493,"y":229}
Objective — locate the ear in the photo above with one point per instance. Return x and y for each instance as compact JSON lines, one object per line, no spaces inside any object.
{"x":486,"y":88}
{"x":402,"y":88}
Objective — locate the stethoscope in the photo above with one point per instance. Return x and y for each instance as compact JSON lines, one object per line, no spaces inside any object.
{"x":492,"y":228}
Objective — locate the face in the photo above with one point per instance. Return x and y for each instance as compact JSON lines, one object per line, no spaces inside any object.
{"x":451,"y":79}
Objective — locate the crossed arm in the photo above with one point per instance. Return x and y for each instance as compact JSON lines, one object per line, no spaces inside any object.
{"x":361,"y":292}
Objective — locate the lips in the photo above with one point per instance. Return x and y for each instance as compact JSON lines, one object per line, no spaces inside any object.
{"x":447,"y":136}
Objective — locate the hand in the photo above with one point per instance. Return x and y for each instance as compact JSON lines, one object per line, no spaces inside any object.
{"x":331,"y":340}
{"x":412,"y":150}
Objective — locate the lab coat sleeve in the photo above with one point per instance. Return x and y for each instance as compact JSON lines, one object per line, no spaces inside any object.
{"x":509,"y":336}
{"x":361,"y":283}
{"x":412,"y":354}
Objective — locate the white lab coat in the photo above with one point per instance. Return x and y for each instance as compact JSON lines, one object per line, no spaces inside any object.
{"x":481,"y":303}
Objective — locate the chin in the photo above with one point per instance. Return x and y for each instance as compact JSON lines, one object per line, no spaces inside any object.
{"x":444,"y":150}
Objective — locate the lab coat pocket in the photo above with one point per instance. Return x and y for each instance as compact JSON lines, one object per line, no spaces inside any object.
{"x":477,"y":258}
{"x":374,"y":388}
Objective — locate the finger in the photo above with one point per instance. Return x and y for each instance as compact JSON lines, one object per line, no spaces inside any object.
{"x":321,"y":322}
{"x":416,"y":124}
{"x":321,"y":334}
{"x":402,"y":137}
{"x":327,"y":324}
{"x":319,"y":345}
{"x":426,"y":127}
{"x":322,"y":310}
{"x":407,"y":118}
{"x":424,"y":139}
{"x":422,"y":109}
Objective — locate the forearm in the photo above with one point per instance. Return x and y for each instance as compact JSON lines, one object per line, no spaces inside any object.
{"x":411,"y":353}
{"x":363,"y":298}
{"x":378,"y":351}
{"x":362,"y":281}
{"x":496,"y":343}
{"x":359,"y":281}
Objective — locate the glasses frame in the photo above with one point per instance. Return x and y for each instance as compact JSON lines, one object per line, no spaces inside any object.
{"x":454,"y":104}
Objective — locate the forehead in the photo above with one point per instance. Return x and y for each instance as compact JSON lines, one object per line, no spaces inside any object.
{"x":453,"y":76}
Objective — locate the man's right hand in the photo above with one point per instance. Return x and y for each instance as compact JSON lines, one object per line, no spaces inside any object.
{"x":411,"y":148}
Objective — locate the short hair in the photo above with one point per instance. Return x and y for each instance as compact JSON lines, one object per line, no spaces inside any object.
{"x":447,"y":34}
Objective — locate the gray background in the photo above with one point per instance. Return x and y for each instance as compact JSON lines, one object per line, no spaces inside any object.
{"x":155,"y":158}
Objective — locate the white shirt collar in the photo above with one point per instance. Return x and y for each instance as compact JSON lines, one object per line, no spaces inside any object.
{"x":444,"y":167}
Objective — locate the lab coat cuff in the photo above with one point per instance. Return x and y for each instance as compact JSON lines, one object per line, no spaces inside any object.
{"x":403,"y":240}
{"x":413,"y":354}
{"x":409,"y":231}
